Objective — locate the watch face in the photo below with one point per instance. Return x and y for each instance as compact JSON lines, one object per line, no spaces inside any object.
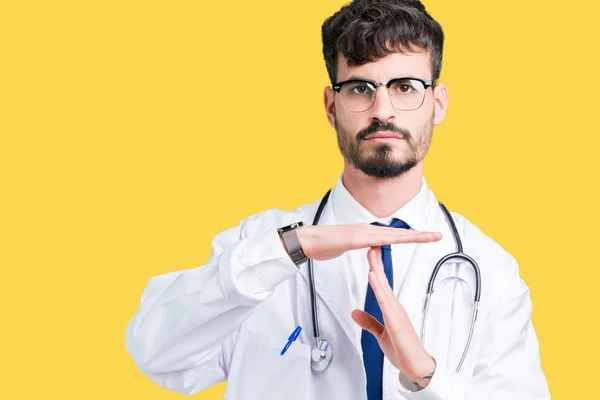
{"x":290,"y":227}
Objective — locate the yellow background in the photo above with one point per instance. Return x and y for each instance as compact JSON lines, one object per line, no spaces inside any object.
{"x":132,"y":132}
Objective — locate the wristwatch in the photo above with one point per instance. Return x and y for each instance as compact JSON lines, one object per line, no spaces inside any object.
{"x":290,"y":238}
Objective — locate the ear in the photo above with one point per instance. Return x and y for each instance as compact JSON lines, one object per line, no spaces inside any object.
{"x":440,"y":98}
{"x":329,"y":102}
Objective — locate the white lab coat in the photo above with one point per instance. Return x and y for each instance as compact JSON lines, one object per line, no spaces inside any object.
{"x":230,"y":318}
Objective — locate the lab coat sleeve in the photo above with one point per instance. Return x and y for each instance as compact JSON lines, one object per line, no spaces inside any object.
{"x":508,"y":361}
{"x":183,"y":333}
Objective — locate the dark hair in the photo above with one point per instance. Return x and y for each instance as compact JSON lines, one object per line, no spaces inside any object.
{"x":366,"y":30}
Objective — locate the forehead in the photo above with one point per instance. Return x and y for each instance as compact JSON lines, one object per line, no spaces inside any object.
{"x":395,"y":65}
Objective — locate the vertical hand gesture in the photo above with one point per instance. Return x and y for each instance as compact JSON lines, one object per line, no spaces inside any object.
{"x":398,"y":339}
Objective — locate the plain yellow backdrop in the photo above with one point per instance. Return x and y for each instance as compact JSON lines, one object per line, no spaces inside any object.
{"x":132,"y":132}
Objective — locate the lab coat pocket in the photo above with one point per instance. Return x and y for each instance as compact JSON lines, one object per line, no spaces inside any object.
{"x":266,"y":374}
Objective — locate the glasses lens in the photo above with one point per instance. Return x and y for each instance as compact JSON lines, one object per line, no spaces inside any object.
{"x":407,"y":94}
{"x":357,"y":96}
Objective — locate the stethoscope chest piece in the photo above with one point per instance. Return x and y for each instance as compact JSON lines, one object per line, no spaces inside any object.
{"x":321,"y":355}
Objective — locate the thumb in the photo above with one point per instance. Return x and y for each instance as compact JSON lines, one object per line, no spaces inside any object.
{"x":368,"y":322}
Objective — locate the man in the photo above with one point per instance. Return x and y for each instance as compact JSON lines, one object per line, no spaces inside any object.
{"x":231,"y":318}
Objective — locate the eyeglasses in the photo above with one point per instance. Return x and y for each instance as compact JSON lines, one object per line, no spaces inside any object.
{"x":406,"y":94}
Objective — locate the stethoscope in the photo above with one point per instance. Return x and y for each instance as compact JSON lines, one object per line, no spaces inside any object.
{"x":322,"y":351}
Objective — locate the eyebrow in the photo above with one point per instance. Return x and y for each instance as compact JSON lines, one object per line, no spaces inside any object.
{"x":358,"y":78}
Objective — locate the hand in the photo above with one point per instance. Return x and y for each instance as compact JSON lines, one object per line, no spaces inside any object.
{"x":398,"y":339}
{"x":323,"y":242}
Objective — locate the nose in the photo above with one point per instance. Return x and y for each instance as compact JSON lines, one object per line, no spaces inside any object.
{"x":382,"y":109}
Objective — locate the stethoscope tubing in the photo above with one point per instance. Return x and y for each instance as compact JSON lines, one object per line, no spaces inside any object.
{"x":311,"y":279}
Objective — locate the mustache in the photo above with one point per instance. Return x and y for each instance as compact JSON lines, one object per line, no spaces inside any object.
{"x":378,"y":127}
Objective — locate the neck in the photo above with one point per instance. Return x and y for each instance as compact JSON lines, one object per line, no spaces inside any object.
{"x":382,"y":197}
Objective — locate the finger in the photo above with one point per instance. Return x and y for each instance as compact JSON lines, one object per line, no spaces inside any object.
{"x":374,"y":257}
{"x":392,"y":317}
{"x":419,"y":237}
{"x":368,"y":322}
{"x":377,"y":278}
{"x":383,"y":235}
{"x":391,"y":308}
{"x":390,"y":231}
{"x":380,"y":284}
{"x":366,"y":236}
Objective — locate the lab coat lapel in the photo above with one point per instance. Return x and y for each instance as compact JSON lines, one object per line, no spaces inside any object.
{"x":414,"y":287}
{"x":451,"y":306}
{"x":448,"y":320}
{"x":427,"y":255}
{"x":438,"y":222}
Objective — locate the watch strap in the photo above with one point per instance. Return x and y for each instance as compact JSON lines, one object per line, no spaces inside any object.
{"x":289,"y":236}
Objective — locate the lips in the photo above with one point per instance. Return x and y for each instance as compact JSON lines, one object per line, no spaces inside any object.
{"x":383,"y":135}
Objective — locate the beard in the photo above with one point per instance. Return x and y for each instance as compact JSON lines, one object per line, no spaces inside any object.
{"x":380,"y":162}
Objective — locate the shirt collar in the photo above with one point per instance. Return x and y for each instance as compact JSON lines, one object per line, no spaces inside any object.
{"x":347,"y":210}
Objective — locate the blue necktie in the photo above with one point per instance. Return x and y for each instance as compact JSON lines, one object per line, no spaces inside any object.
{"x":372,"y":354}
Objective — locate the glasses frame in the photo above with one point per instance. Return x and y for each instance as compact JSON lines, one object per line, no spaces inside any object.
{"x":426,"y":84}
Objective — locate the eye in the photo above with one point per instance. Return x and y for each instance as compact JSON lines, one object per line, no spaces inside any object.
{"x":407,"y":86}
{"x":358,"y":88}
{"x":403,"y":87}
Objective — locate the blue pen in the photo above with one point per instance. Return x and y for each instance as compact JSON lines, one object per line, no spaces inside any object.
{"x":292,"y":338}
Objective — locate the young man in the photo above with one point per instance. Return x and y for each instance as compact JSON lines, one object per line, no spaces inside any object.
{"x":231,"y":318}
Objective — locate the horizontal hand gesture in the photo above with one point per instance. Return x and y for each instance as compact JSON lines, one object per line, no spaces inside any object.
{"x":323,"y":242}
